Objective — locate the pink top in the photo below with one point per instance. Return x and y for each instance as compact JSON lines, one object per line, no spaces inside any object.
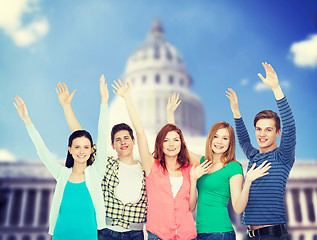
{"x":167,"y":217}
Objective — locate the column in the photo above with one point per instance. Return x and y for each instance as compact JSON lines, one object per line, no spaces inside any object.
{"x":303,"y":207}
{"x":23,"y":206}
{"x":290,"y":208}
{"x":37,"y":207}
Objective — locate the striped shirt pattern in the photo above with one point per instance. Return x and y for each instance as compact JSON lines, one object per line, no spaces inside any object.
{"x":121,"y":214}
{"x":266,"y":198}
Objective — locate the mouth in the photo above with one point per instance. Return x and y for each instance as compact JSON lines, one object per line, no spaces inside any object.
{"x":218,"y":147}
{"x":124,"y":147}
{"x":171,"y":149}
{"x":81,"y":156}
{"x":262,"y":140}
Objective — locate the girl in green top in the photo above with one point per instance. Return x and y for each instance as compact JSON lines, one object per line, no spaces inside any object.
{"x":223,"y":180}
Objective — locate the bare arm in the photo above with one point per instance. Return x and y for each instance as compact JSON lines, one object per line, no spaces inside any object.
{"x":65,"y":99}
{"x":172,"y":105}
{"x":271,"y":81}
{"x":239,"y":194}
{"x":146,"y":157}
{"x":233,"y":102}
{"x":196,"y":172}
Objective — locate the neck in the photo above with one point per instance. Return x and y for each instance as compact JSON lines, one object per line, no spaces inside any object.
{"x":171,"y":163}
{"x":216,"y":158}
{"x":79,"y":167}
{"x":127,"y":159}
{"x":268,"y":149}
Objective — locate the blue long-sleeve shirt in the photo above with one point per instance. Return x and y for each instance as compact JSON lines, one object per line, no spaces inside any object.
{"x":266,"y":197}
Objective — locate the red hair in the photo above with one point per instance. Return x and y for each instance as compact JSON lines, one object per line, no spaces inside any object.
{"x":183,"y":155}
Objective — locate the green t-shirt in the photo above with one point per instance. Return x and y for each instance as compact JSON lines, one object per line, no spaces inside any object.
{"x":213,"y":196}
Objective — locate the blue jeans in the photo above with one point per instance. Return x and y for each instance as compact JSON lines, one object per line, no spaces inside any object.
{"x":107,"y":234}
{"x":217,"y":236}
{"x":151,"y":236}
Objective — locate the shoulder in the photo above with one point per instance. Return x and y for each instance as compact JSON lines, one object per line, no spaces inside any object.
{"x":234,"y":166}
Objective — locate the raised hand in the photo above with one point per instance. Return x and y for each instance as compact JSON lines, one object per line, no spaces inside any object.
{"x":199,"y":169}
{"x":260,"y":171}
{"x":271,"y":79}
{"x":233,"y":102}
{"x":120,"y":89}
{"x":103,"y":90}
{"x":173,"y":103}
{"x":21,"y":108}
{"x":63,"y":94}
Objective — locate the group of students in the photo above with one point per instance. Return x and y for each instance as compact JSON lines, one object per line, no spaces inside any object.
{"x":100,"y":197}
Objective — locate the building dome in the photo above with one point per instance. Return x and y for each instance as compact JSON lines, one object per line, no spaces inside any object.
{"x":156,"y":70}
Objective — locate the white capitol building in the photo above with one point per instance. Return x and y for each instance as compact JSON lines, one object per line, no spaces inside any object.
{"x":155,"y":70}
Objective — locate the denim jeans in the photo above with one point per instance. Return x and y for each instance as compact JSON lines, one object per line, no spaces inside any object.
{"x":107,"y":234}
{"x":268,"y":237}
{"x":151,"y":236}
{"x":217,"y":236}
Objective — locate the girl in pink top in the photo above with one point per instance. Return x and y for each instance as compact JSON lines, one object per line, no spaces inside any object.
{"x":170,"y":179}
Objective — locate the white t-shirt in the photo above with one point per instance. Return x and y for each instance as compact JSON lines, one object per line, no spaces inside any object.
{"x":176,"y":183}
{"x":129,"y":187}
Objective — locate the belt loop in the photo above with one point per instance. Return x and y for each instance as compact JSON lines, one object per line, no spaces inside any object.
{"x":250,"y":233}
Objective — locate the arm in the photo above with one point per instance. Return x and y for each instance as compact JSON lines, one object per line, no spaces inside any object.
{"x":239,"y":195}
{"x":172,"y":105}
{"x":45,"y":155}
{"x":146,"y":157}
{"x":101,"y":158}
{"x":65,"y":99}
{"x":242,"y":133}
{"x":288,"y":138}
{"x":196,"y":172}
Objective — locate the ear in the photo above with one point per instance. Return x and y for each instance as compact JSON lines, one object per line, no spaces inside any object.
{"x":92,"y":150}
{"x":278,"y":132}
{"x":69,"y":150}
{"x":113,"y":146}
{"x":133,"y":141}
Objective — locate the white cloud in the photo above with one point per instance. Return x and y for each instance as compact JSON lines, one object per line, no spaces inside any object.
{"x":6,"y":156}
{"x":304,"y":53}
{"x":244,"y":81}
{"x":260,"y":86}
{"x":11,"y":21}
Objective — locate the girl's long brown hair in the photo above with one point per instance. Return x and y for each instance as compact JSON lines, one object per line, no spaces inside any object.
{"x":227,"y":156}
{"x":183,"y":155}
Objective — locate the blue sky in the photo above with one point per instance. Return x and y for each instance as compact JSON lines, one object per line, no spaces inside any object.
{"x":222,"y":42}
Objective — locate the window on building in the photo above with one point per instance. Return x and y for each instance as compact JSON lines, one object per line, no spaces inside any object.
{"x":41,"y":237}
{"x":144,"y":79}
{"x":157,"y":78}
{"x":156,"y":52}
{"x":26,"y":237}
{"x":168,"y":54}
{"x":301,"y":237}
{"x":29,"y":211}
{"x":44,"y":206}
{"x":4,"y":199}
{"x":12,"y":237}
{"x":315,"y":237}
{"x":171,"y":79}
{"x":298,"y":213}
{"x":310,"y":206}
{"x":182,"y":82}
{"x":16,"y":210}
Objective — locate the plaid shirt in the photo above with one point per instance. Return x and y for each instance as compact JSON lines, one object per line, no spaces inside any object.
{"x":121,"y":214}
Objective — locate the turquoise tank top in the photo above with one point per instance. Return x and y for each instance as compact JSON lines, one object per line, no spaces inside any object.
{"x":76,"y":218}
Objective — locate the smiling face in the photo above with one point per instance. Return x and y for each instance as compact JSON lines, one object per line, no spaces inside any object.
{"x":123,"y":144}
{"x":172,"y":144}
{"x":80,"y":149}
{"x":221,"y":141}
{"x":266,"y":134}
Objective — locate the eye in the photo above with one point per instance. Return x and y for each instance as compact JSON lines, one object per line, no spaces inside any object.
{"x":269,"y":130}
{"x":165,"y":140}
{"x":76,"y":147}
{"x":258,"y":129}
{"x":87,"y":147}
{"x":215,"y":136}
{"x":225,"y":138}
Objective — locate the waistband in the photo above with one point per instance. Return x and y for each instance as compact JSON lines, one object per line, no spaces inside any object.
{"x":275,"y":230}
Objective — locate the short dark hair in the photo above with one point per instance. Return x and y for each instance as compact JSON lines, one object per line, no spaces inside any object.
{"x":268,"y":114}
{"x":120,"y":127}
{"x":77,"y":134}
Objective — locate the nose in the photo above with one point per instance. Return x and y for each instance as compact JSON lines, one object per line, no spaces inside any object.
{"x":262,"y":133}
